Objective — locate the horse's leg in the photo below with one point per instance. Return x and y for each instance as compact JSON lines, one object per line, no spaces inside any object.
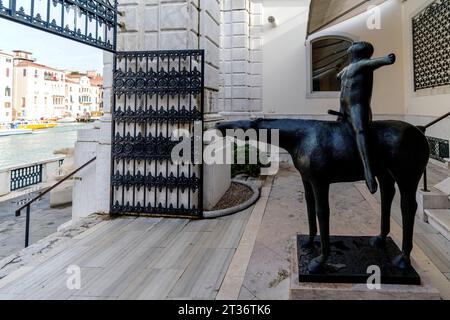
{"x":321,"y":193}
{"x":387,"y":190}
{"x":408,"y":191}
{"x":311,"y":208}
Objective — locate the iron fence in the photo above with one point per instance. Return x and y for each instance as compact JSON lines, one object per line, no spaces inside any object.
{"x":25,"y":177}
{"x":439,"y":148}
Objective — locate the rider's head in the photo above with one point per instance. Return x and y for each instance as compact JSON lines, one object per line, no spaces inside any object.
{"x":360,"y":50}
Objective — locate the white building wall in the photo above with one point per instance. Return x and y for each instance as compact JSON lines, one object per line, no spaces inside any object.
{"x":286,"y":59}
{"x":6,"y":81}
{"x":43,"y":97}
{"x":241,"y":56}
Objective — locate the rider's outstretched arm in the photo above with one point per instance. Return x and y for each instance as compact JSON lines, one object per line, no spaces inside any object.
{"x":380,"y":62}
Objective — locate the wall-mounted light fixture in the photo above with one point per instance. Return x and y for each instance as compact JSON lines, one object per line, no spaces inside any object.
{"x":272,"y":21}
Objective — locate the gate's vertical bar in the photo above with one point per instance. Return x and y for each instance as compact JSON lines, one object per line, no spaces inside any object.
{"x":12,"y":7}
{"x":135,"y":129}
{"x":62,"y":14}
{"x":32,"y":11}
{"x":125,"y":125}
{"x":145,"y":121}
{"x":190,"y":164}
{"x":48,"y":13}
{"x":202,"y":104}
{"x":27,"y":227}
{"x":169,"y":95}
{"x":113,"y":134}
{"x":178,"y":126}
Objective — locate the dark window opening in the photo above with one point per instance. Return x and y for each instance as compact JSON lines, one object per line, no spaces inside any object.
{"x":329,"y":57}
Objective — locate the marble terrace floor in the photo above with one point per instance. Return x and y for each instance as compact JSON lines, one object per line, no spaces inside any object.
{"x":245,"y":256}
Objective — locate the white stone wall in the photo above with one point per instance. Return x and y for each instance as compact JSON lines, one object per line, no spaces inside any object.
{"x":175,"y":25}
{"x":241,"y":56}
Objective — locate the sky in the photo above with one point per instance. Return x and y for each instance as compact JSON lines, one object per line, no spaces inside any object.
{"x":49,"y":49}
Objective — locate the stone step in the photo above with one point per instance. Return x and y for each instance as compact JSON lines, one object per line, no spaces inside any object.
{"x":439,"y":219}
{"x":433,"y":199}
{"x":444,"y":186}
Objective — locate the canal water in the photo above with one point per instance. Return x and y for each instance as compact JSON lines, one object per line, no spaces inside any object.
{"x":38,"y":146}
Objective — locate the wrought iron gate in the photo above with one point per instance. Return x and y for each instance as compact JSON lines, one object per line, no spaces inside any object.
{"x":156,"y":93}
{"x":92,"y":22}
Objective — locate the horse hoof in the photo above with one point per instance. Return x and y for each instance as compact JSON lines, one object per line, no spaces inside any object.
{"x":402,"y":262}
{"x":378,"y":242}
{"x":316,"y":265}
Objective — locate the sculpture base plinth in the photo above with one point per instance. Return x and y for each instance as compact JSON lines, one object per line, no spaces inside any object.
{"x":332,"y":289}
{"x":350,"y":259}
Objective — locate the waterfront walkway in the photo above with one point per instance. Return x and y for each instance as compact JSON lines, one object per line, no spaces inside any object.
{"x":243,"y":256}
{"x":44,"y":221}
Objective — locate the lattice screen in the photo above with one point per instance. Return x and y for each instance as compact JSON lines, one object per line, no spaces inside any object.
{"x":431,"y":46}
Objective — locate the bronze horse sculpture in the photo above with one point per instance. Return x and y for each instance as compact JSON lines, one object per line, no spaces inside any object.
{"x":325,"y":152}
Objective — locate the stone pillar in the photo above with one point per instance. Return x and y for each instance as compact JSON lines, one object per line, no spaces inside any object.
{"x":241,"y":56}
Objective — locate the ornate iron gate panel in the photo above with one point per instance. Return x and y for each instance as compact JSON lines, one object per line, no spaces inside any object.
{"x":431,"y":46}
{"x":155,"y":94}
{"x":439,"y":148}
{"x":92,"y":22}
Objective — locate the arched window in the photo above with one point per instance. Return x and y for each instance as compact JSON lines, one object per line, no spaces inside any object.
{"x":7,"y":92}
{"x":328,"y":58}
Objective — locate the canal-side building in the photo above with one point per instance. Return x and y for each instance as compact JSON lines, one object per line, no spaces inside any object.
{"x":6,"y":86}
{"x":83,"y":93}
{"x":39,"y":90}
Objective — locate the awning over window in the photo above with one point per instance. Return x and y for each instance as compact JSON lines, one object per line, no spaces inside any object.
{"x":326,"y":13}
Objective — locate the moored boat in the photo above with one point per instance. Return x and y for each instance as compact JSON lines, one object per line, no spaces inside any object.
{"x":7,"y":129}
{"x":34,"y":125}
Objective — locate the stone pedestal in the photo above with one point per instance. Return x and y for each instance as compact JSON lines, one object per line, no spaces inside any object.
{"x":348,"y":291}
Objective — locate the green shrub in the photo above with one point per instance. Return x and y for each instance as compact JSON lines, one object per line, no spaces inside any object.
{"x":253,"y":170}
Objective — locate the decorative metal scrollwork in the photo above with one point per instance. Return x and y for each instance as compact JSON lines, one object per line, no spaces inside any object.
{"x":161,"y":115}
{"x":431,"y":46}
{"x":143,"y":148}
{"x":160,"y":209}
{"x":92,"y":22}
{"x":157,"y":93}
{"x":160,"y":82}
{"x":149,"y":181}
{"x":439,"y":148}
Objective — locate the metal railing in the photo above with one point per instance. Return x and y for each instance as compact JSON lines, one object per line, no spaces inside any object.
{"x":424,"y":129}
{"x":26,"y":176}
{"x":28,"y":204}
